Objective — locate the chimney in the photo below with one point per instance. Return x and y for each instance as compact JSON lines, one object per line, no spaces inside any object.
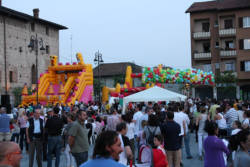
{"x":35,"y":12}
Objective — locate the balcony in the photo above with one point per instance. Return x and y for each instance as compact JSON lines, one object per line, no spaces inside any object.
{"x":228,"y":53}
{"x":227,"y":32}
{"x":201,"y":35}
{"x":202,"y":55}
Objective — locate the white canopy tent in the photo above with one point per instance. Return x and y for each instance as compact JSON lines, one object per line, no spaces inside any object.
{"x":153,"y":94}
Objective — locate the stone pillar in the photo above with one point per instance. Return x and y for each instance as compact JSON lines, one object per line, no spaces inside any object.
{"x":215,"y":92}
{"x":193,"y":92}
{"x":238,"y":92}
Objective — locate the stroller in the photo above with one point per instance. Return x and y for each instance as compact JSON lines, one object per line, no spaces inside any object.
{"x":149,"y":157}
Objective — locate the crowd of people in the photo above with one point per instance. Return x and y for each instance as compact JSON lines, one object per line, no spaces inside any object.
{"x":146,"y":134}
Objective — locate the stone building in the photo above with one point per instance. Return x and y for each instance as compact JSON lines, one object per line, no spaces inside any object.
{"x":16,"y":33}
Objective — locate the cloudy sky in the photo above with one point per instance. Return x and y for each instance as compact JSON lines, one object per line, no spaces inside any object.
{"x":146,"y":32}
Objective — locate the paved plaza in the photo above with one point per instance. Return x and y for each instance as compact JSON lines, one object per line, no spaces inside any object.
{"x":195,"y":162}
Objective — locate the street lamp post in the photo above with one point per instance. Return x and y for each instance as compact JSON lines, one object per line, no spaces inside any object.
{"x":34,"y":42}
{"x":98,"y":60}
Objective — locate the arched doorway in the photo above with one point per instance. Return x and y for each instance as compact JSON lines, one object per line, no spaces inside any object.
{"x":33,"y":74}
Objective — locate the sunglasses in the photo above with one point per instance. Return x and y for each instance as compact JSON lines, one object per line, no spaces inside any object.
{"x":17,"y":152}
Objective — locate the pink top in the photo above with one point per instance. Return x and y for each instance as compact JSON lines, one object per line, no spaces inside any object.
{"x":23,"y":122}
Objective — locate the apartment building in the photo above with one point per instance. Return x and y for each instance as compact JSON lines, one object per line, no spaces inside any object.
{"x":18,"y":32}
{"x":220,"y":40}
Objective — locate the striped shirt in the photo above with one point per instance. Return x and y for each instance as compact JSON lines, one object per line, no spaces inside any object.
{"x":230,"y":117}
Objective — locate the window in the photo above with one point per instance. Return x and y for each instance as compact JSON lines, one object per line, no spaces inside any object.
{"x":246,"y":22}
{"x":229,"y":67}
{"x":47,"y":30}
{"x":206,"y":47}
{"x":11,"y":76}
{"x":246,"y":43}
{"x":217,"y":44}
{"x":228,"y":23}
{"x":216,"y":24}
{"x":32,"y":26}
{"x":207,"y":67}
{"x":47,"y":49}
{"x":205,"y":27}
{"x":217,"y":65}
{"x":229,"y":45}
{"x":247,"y":65}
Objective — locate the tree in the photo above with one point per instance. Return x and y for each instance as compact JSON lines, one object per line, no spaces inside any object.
{"x":17,"y":92}
{"x":226,"y":85}
{"x":226,"y":77}
{"x":96,"y":87}
{"x":119,"y":79}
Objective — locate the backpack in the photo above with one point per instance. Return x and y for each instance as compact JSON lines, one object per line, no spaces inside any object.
{"x":151,"y":136}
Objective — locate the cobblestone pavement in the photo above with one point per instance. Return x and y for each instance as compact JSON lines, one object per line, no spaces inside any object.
{"x":195,"y":162}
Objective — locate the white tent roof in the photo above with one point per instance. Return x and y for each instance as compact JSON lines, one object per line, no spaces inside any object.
{"x":153,"y":94}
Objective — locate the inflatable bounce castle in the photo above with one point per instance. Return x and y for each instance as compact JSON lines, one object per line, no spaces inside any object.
{"x":63,"y":83}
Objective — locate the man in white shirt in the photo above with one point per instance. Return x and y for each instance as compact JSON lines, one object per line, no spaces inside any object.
{"x":186,"y":136}
{"x":136,"y":118}
{"x":180,"y":119}
{"x":34,"y":133}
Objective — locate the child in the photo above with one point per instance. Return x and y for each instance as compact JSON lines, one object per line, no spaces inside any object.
{"x":159,"y":154}
{"x":158,"y":142}
{"x":15,"y":131}
{"x":142,"y":139}
{"x":236,"y":127}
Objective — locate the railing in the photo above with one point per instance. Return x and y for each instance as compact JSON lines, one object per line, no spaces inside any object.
{"x":197,"y":35}
{"x":202,"y":55}
{"x":227,"y":32}
{"x":228,"y":53}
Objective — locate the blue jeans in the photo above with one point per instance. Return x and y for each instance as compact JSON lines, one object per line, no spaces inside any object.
{"x":186,"y":143}
{"x":229,"y":131}
{"x":54,"y":144}
{"x":80,"y":157}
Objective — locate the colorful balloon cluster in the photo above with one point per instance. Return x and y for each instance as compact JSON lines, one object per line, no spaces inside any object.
{"x":191,"y":76}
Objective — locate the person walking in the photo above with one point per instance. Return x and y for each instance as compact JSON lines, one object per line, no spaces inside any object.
{"x":187,"y":135}
{"x":230,"y":116}
{"x":221,"y":121}
{"x":170,"y":131}
{"x":22,"y":121}
{"x":201,"y":120}
{"x":15,"y":131}
{"x":242,"y":157}
{"x":5,"y":134}
{"x":113,"y":119}
{"x":126,"y":154}
{"x":151,"y":129}
{"x":214,"y":147}
{"x":106,"y":151}
{"x":78,"y":138}
{"x":131,"y":132}
{"x":69,"y":157}
{"x":54,"y":127}
{"x":34,"y":133}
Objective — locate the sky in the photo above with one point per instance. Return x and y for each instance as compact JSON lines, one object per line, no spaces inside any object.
{"x":146,"y":32}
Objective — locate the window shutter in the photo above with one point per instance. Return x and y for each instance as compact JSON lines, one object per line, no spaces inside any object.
{"x":240,"y":22}
{"x":242,"y":66}
{"x":241,"y":44}
{"x":14,"y":76}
